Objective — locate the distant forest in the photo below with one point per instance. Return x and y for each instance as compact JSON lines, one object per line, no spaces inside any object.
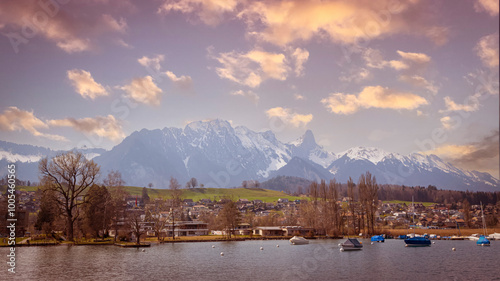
{"x":386,"y":192}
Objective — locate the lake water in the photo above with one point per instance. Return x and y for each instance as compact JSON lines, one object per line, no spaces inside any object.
{"x":320,"y":260}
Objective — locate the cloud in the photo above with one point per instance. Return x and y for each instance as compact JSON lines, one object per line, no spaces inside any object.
{"x":210,"y":12}
{"x":489,"y":6}
{"x":412,"y":67}
{"x":448,"y":123}
{"x":372,"y":96}
{"x":252,"y":68}
{"x":357,"y":76}
{"x":299,"y":97}
{"x":482,"y":155}
{"x":487,"y":50}
{"x":153,"y":63}
{"x":102,"y":126}
{"x":286,"y":22}
{"x":289,"y":117}
{"x":183,"y":82}
{"x":419,"y":58}
{"x":85,"y":85}
{"x":15,"y":119}
{"x":419,"y":81}
{"x":71,"y":27}
{"x":471,"y":104}
{"x":247,"y":94}
{"x":143,"y":90}
{"x":300,"y":56}
{"x":113,"y":24}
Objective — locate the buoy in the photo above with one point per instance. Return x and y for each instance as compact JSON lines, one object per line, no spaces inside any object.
{"x":339,"y":244}
{"x":372,"y":243}
{"x":221,"y":254}
{"x":341,"y":249}
{"x":213,"y":246}
{"x":277,"y":246}
{"x":406,"y":245}
{"x":433,"y":242}
{"x":261,"y":248}
{"x":144,"y":250}
{"x":453,"y":249}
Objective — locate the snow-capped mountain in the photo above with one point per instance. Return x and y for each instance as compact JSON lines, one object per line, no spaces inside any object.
{"x":26,"y":158}
{"x":219,"y":155}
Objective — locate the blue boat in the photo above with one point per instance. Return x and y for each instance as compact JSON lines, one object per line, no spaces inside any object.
{"x":483,"y":241}
{"x":378,"y":238}
{"x":417,"y":242}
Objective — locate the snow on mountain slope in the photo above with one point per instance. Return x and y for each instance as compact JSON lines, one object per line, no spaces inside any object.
{"x":219,"y":155}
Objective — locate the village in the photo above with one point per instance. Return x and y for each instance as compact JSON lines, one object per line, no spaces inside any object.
{"x":251,"y":218}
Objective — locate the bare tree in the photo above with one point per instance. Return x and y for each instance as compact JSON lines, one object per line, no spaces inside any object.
{"x":69,"y":175}
{"x":135,"y":224}
{"x":175,"y":201}
{"x":352,"y":204}
{"x":114,"y":183}
{"x":467,"y":214}
{"x":153,"y":215}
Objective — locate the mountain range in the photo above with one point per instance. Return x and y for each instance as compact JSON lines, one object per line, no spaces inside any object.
{"x":220,"y":155}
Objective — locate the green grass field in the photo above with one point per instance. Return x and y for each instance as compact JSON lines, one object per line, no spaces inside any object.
{"x":426,"y":204}
{"x":217,"y":193}
{"x":200,"y":193}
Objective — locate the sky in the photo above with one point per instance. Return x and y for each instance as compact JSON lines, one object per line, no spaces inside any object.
{"x":401,"y":75}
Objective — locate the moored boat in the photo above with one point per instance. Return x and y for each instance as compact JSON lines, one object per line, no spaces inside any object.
{"x":378,"y":238}
{"x":351,"y":244}
{"x":297,"y":240}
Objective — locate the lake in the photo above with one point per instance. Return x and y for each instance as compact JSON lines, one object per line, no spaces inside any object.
{"x":243,"y":260}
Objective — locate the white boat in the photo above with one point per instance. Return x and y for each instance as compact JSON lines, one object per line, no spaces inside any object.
{"x":474,"y":237}
{"x":297,"y":240}
{"x":494,"y":236}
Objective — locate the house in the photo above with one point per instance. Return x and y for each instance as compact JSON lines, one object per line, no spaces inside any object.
{"x":268,"y":231}
{"x":243,"y":229}
{"x":186,"y":228}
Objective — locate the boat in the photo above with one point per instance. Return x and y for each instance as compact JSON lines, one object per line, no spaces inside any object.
{"x":351,"y":244}
{"x":483,"y":241}
{"x":474,"y":237}
{"x":378,"y":238}
{"x":416,"y":241}
{"x":298,"y":240}
{"x":494,"y":236}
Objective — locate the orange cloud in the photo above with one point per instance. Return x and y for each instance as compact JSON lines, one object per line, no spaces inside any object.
{"x":252,"y":68}
{"x":372,"y":96}
{"x":85,"y":85}
{"x":15,"y":119}
{"x":488,"y":6}
{"x":143,"y":90}
{"x":287,"y":116}
{"x":102,"y":126}
{"x":487,"y":50}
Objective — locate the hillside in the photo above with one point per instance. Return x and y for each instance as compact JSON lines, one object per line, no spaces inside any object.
{"x":200,"y":193}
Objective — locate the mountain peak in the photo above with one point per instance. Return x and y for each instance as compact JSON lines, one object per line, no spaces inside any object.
{"x":307,"y":140}
{"x":370,"y":154}
{"x":206,"y":124}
